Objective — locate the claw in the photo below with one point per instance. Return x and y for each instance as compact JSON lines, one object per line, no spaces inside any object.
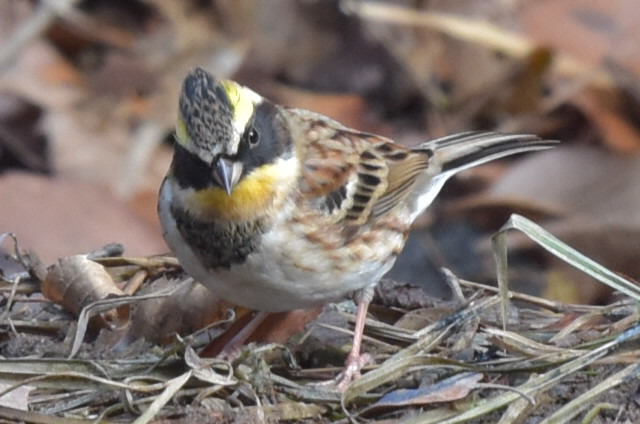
{"x":351,"y":371}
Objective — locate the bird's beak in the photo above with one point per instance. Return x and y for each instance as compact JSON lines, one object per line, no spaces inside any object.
{"x":227,"y":173}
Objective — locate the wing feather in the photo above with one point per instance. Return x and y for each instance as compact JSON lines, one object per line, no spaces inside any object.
{"x":355,"y":177}
{"x":358,"y":176}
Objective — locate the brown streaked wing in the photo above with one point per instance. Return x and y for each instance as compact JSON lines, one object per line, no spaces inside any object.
{"x":324,"y":176}
{"x":382,"y":173}
{"x":404,"y":166}
{"x":327,"y":169}
{"x":370,"y":184}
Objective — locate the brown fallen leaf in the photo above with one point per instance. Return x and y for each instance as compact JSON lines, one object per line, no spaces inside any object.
{"x":189,"y":309}
{"x":608,"y":110}
{"x":587,"y":197}
{"x":490,"y":213}
{"x":279,"y":327}
{"x":349,"y":108}
{"x":613,"y":246}
{"x":571,"y":26}
{"x":592,"y":31}
{"x":275,"y":328}
{"x":76,"y":281}
{"x":583,"y":182}
{"x":59,"y":216}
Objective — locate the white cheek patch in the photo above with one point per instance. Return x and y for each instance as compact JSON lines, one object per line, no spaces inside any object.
{"x":234,"y":143}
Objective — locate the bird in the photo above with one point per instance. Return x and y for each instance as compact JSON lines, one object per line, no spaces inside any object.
{"x":276,"y":208}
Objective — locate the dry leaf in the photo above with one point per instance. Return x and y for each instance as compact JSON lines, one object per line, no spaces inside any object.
{"x":589,"y":30}
{"x":349,"y":108}
{"x":613,"y":246}
{"x":597,"y":195}
{"x":58,"y":217}
{"x":583,"y":182}
{"x":75,"y":282}
{"x":192,"y":307}
{"x":279,"y":327}
{"x":607,"y":110}
{"x":448,"y":390}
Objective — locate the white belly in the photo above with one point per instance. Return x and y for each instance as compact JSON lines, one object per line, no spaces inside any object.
{"x":286,"y":272}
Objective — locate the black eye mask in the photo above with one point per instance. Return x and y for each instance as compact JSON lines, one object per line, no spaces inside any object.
{"x":190,"y":170}
{"x":273,"y":142}
{"x":265,"y":140}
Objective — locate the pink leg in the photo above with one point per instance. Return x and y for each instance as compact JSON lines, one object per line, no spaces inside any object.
{"x":355,"y":360}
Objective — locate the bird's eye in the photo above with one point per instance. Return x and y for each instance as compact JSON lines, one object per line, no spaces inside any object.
{"x":253,"y":137}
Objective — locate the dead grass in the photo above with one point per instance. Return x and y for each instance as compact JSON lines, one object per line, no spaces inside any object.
{"x":553,"y":363}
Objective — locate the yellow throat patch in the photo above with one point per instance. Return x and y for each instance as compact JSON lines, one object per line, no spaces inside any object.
{"x":251,"y":198}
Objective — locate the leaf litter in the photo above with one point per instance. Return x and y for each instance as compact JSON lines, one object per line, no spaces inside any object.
{"x":490,"y":356}
{"x":102,"y":78}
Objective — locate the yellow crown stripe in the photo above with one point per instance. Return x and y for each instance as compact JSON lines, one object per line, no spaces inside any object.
{"x":243,"y":101}
{"x":182,"y":136}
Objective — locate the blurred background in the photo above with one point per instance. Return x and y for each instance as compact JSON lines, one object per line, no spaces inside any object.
{"x":88,"y":95}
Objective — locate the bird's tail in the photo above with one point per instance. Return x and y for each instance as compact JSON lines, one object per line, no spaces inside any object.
{"x":465,"y":150}
{"x":452,"y":154}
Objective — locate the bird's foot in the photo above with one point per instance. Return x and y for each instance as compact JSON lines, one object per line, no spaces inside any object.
{"x":351,"y":372}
